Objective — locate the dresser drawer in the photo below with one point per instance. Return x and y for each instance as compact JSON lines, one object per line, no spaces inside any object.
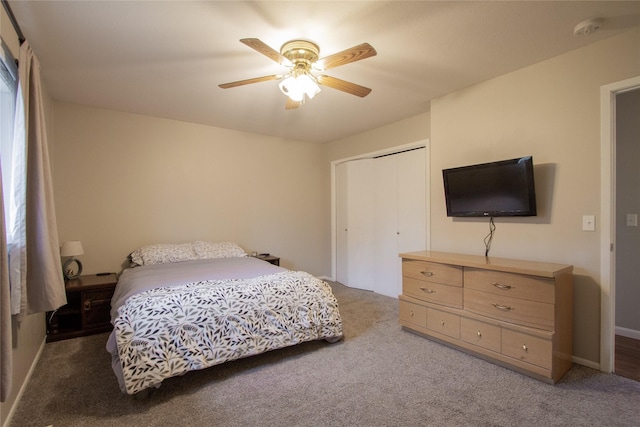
{"x":432,"y":272}
{"x":511,"y":285}
{"x":534,"y":350}
{"x":413,"y":313}
{"x":444,"y":323}
{"x":481,"y":334}
{"x":513,"y":310}
{"x":451,"y":296}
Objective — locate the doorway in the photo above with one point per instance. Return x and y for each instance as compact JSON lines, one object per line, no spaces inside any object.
{"x":620,"y":220}
{"x":627,"y":237}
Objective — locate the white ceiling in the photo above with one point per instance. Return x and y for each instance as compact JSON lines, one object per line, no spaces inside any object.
{"x":166,"y":58}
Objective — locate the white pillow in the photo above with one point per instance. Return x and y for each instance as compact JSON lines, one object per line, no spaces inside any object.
{"x":208,"y":250}
{"x":136,"y":257}
{"x":163,"y":253}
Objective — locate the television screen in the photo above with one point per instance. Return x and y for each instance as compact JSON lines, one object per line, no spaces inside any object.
{"x":503,"y":188}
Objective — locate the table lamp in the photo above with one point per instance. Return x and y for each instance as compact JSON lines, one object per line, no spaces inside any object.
{"x":71,"y":249}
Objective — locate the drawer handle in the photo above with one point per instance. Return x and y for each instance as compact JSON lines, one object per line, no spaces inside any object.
{"x":429,"y":291}
{"x":87,"y":305}
{"x":442,"y":323}
{"x":502,"y":286}
{"x":427,"y":273}
{"x":525,"y":348}
{"x":479,"y":334}
{"x":411,"y":313}
{"x":503,"y":307}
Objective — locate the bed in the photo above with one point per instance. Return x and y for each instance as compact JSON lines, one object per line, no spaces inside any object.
{"x":191,"y":306}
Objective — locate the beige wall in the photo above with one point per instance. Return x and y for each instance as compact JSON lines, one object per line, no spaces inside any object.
{"x":403,"y":132}
{"x":9,"y":35}
{"x":550,"y":111}
{"x":124,"y":180}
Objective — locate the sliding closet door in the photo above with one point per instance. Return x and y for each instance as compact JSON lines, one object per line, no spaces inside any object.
{"x":380,"y":213}
{"x":386,"y":225}
{"x":355,"y":224}
{"x":342,"y":271}
{"x":400,"y":215}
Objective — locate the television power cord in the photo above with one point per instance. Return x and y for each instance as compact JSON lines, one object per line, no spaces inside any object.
{"x":489,"y":237}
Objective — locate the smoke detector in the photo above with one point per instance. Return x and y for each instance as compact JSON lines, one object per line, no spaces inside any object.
{"x":587,"y":27}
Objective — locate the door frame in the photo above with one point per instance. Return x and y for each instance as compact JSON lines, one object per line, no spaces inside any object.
{"x":391,"y":150}
{"x":607,"y":213}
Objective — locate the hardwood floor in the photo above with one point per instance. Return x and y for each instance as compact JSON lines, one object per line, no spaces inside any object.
{"x":627,"y":357}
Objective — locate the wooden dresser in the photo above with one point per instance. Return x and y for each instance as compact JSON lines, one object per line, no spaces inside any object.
{"x":512,"y":312}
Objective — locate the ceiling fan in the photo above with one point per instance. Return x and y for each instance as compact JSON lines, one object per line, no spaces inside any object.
{"x":303,"y":78}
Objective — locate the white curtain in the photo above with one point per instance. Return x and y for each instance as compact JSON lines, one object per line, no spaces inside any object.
{"x":6,"y":365}
{"x":35,"y":272}
{"x":17,"y":227}
{"x":8,"y":78}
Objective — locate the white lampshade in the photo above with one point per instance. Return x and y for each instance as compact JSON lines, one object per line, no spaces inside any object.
{"x":309,"y":86}
{"x":297,"y":87}
{"x":292,"y":89}
{"x":71,"y":248}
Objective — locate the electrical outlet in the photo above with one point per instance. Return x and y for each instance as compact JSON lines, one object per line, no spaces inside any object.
{"x":588,"y":223}
{"x":632,"y":220}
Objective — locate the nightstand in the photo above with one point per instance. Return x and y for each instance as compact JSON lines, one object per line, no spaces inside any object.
{"x":88,"y":308}
{"x":270,"y":259}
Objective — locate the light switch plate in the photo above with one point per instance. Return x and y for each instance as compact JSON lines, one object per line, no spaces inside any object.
{"x":588,"y":223}
{"x":632,"y":220}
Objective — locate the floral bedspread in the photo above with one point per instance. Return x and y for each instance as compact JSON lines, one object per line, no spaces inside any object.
{"x":168,"y":331}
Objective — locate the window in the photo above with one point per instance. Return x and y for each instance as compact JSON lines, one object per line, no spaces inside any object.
{"x":45,"y":280}
{"x":8,"y":91}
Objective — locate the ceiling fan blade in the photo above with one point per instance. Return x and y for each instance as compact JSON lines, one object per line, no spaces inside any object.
{"x":356,"y":53}
{"x":266,"y":50}
{"x":344,"y":86}
{"x":250,"y":81}
{"x":291,"y":104}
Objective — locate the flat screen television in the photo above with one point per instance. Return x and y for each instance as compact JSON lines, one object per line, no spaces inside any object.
{"x":502,"y":188}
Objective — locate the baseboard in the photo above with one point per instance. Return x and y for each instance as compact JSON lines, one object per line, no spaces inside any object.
{"x":584,"y":362}
{"x":23,"y":387}
{"x":629,"y":333}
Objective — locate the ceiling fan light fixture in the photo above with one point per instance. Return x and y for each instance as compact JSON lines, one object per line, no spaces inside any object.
{"x":301,"y":57}
{"x":309,"y":85}
{"x":290,"y":87}
{"x":296,"y":87}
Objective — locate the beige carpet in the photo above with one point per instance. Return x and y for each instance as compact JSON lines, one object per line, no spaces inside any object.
{"x":379,"y":375}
